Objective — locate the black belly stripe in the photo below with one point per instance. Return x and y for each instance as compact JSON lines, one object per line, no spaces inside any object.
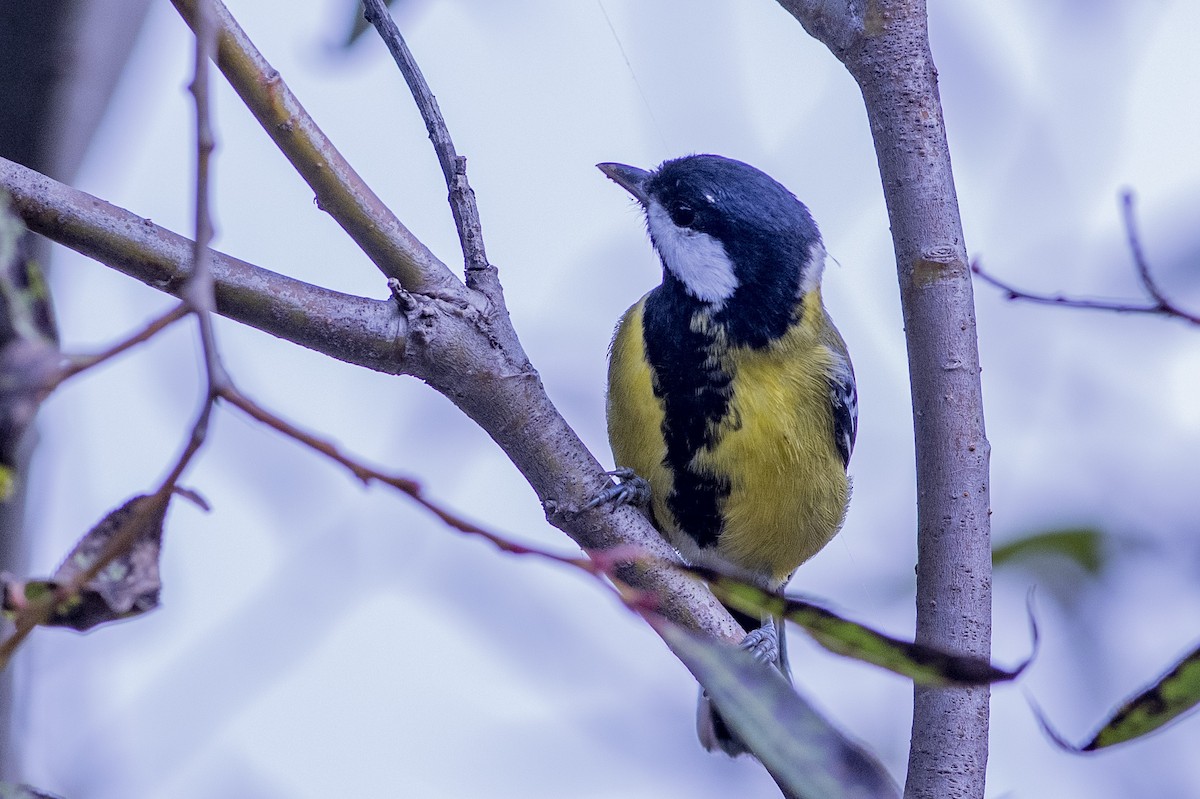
{"x":695,"y":387}
{"x":695,"y":392}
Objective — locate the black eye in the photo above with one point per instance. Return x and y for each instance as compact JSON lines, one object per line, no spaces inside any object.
{"x":682,"y":214}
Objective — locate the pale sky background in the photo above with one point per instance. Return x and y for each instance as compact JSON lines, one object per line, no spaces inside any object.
{"x":320,"y":639}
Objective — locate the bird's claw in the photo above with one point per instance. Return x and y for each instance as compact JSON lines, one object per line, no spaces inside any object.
{"x":630,"y":490}
{"x":762,"y":644}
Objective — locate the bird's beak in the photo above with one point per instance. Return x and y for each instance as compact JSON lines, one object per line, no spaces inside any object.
{"x":630,"y":178}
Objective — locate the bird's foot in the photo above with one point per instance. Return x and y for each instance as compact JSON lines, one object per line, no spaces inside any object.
{"x":629,"y":490}
{"x":763,"y":643}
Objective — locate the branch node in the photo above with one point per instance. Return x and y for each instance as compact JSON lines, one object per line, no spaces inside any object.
{"x":404,"y":299}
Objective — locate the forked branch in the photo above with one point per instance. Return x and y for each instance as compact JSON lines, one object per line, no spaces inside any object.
{"x":1160,"y":303}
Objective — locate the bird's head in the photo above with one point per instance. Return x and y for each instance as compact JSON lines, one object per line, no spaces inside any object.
{"x":727,"y":232}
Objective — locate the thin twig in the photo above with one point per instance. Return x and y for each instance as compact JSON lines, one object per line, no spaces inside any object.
{"x":340,"y":191}
{"x":368,"y":474}
{"x":1161,"y":305}
{"x":376,"y":13}
{"x":454,"y":166}
{"x":361,"y":472}
{"x":1164,"y":304}
{"x":1013,"y":293}
{"x":79,"y":363}
{"x":198,"y":297}
{"x":199,"y":291}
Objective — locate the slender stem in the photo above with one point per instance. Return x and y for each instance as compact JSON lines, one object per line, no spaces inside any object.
{"x":1135,"y":247}
{"x":454,"y":166}
{"x":80,"y":363}
{"x":199,"y":291}
{"x":1161,"y":305}
{"x":362,"y":472}
{"x":340,"y":190}
{"x":1011,"y":292}
{"x":405,"y":485}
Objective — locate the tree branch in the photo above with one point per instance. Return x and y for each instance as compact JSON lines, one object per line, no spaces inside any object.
{"x":838,"y":24}
{"x":454,"y":166}
{"x":368,"y":474}
{"x":361,"y":331}
{"x":458,"y":340}
{"x":885,"y":46}
{"x":1161,"y":304}
{"x":340,"y":190}
{"x":198,"y":292}
{"x":1140,"y":262}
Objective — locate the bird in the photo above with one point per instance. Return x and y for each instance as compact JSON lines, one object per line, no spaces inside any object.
{"x":731,"y":395}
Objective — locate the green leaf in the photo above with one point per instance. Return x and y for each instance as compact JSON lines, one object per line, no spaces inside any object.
{"x":8,"y":482}
{"x":924,"y":665}
{"x":1083,"y":546}
{"x":806,"y":754}
{"x":1174,"y":694}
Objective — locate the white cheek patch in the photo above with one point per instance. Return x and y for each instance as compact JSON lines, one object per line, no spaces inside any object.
{"x":697,"y":259}
{"x":814,"y":269}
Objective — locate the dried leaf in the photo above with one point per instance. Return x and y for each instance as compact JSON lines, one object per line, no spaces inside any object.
{"x":127,"y":586}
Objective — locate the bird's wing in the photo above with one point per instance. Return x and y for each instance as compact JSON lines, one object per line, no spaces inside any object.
{"x":843,"y":398}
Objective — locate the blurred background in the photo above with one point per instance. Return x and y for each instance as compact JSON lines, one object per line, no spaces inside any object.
{"x":321,"y":639}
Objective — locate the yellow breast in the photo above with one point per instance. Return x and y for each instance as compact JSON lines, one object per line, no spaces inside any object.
{"x":788,"y":489}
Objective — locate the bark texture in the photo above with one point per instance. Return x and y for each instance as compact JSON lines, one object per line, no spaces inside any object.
{"x":885,"y":46}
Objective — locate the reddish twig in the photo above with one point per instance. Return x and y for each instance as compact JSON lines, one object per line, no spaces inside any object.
{"x":406,"y":485}
{"x":198,"y":292}
{"x":76,"y":364}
